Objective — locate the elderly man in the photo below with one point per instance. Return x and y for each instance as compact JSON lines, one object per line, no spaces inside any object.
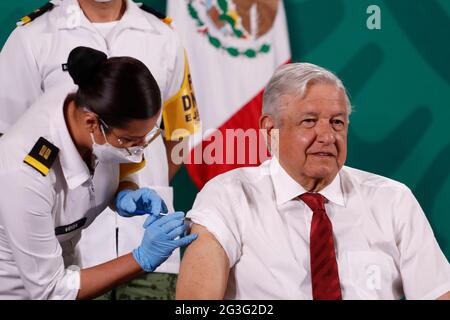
{"x":304,"y":226}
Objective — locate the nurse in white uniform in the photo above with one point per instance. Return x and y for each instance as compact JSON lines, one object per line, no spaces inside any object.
{"x":31,"y":64}
{"x":63,"y":163}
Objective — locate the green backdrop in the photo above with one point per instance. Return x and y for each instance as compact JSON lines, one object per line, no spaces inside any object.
{"x":399,"y":82}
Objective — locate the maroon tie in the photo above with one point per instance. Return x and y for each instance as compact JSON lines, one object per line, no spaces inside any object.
{"x":324,"y":269}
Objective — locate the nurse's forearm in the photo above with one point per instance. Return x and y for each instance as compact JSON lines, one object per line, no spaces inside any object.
{"x":123,"y":185}
{"x":100,"y":279}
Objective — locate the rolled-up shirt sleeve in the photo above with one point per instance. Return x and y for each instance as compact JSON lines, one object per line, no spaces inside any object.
{"x":216,"y":210}
{"x":424,"y":269}
{"x":26,"y":216}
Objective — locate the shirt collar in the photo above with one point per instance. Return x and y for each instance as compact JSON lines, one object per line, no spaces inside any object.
{"x":133,"y":18}
{"x":74,"y":168}
{"x":286,"y":188}
{"x":333,"y":192}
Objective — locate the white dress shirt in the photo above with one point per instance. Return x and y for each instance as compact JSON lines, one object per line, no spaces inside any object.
{"x":35,"y":253}
{"x":31,"y":64}
{"x":385,"y":246}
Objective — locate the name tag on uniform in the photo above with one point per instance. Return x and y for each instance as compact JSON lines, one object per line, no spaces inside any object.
{"x":71,"y":227}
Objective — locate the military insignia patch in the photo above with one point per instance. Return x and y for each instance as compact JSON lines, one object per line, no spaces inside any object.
{"x":35,"y":14}
{"x":166,"y":19}
{"x":42,"y":156}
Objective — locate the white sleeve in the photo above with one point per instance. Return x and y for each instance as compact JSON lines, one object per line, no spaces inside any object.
{"x":216,"y":210}
{"x":20,"y":80}
{"x":424,"y":269}
{"x":176,"y":71}
{"x":26,"y":214}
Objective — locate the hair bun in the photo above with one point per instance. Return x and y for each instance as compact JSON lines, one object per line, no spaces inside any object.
{"x":83,"y":63}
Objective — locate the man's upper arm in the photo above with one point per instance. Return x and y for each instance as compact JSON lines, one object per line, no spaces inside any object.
{"x":445,"y":296}
{"x":204,"y":268}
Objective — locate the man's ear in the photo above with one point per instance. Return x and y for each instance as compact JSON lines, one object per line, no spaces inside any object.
{"x":267,"y":124}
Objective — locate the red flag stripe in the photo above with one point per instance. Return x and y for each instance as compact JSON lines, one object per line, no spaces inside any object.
{"x":246,"y":118}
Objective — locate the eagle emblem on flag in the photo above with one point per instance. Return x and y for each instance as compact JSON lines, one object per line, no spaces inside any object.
{"x":239,"y":27}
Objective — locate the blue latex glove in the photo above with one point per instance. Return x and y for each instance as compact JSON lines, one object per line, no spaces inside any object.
{"x":138,"y":202}
{"x":158,"y":242}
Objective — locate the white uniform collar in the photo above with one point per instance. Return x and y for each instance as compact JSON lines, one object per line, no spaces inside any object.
{"x":286,"y":188}
{"x":133,"y":17}
{"x":74,"y":168}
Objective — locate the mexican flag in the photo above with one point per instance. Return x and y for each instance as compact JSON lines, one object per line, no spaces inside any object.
{"x":233,"y":47}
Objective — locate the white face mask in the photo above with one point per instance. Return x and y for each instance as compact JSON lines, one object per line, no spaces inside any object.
{"x":108,"y":153}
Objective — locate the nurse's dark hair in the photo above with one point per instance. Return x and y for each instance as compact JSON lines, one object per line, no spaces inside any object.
{"x":116,"y":89}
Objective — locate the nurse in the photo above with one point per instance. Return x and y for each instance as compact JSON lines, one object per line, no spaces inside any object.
{"x":30,"y":65}
{"x":63,"y":163}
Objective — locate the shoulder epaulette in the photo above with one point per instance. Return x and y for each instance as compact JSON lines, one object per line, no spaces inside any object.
{"x":35,"y":14}
{"x":166,"y":19}
{"x":42,"y":156}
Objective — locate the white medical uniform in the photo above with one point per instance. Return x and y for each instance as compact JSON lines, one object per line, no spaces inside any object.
{"x":41,"y":217}
{"x":385,"y":246}
{"x":31,"y":63}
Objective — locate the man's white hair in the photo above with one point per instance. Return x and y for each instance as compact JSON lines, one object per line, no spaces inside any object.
{"x":293,"y":79}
